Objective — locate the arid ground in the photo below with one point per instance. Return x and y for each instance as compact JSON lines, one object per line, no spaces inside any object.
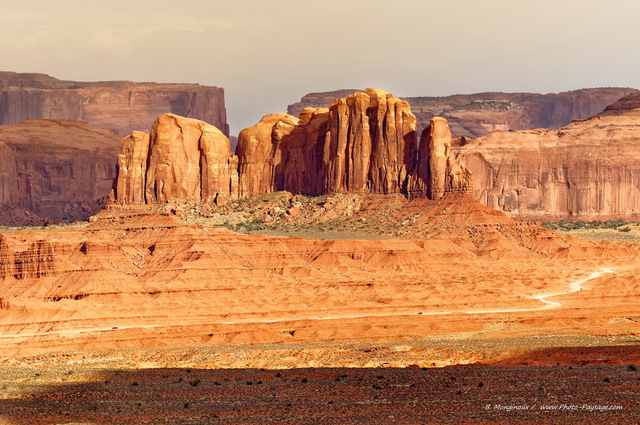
{"x":449,"y":313}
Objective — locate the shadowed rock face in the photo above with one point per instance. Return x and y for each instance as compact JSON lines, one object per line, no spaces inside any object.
{"x":54,"y":170}
{"x":118,"y":106}
{"x":587,"y":169}
{"x":183,"y":158}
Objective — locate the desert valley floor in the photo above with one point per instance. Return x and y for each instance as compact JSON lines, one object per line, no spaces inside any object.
{"x":466,"y":317}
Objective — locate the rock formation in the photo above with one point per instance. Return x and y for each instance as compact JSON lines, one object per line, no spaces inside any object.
{"x":54,"y":170}
{"x":364,"y":143}
{"x":587,"y":169}
{"x":371,"y":143}
{"x":183,"y":158}
{"x":118,"y":106}
{"x":476,"y":115}
{"x":259,"y":154}
{"x":437,"y":172}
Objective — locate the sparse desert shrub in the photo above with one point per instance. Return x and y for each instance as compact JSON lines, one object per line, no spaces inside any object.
{"x":632,"y":368}
{"x":613,"y":224}
{"x":194,"y":383}
{"x":624,"y":229}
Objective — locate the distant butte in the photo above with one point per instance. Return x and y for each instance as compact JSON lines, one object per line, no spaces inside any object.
{"x":117,"y":106}
{"x":588,"y":169}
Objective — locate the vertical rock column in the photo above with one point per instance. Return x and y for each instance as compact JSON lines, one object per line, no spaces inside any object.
{"x":371,"y":139}
{"x":437,"y":172}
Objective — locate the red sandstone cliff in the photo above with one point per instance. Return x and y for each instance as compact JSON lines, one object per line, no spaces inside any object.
{"x":589,"y":168}
{"x":118,"y":106}
{"x":478,"y":114}
{"x":437,"y":171}
{"x":59,"y":170}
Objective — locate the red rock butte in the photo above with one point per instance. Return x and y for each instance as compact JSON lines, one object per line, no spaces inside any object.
{"x":364,"y":143}
{"x":117,"y":106}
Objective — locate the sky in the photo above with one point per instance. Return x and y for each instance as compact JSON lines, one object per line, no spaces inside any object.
{"x":268,"y":54}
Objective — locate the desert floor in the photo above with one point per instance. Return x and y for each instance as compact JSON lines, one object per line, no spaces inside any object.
{"x":143,"y":318}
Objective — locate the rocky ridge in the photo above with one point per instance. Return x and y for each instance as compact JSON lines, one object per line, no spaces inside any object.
{"x":478,"y":114}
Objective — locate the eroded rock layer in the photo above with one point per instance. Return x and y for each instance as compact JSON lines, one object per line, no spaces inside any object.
{"x":587,"y":169}
{"x":183,"y":158}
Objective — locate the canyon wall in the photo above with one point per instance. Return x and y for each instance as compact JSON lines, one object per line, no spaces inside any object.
{"x":117,"y":106}
{"x":54,"y":170}
{"x":478,"y":114}
{"x":588,"y":169}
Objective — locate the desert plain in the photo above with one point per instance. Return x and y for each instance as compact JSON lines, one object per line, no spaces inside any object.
{"x":144,"y":317}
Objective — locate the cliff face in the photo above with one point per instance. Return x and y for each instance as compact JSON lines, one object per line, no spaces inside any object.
{"x":479,"y":114}
{"x":60,"y":170}
{"x":587,"y":169}
{"x":371,"y":143}
{"x":118,"y":106}
{"x":182,"y":158}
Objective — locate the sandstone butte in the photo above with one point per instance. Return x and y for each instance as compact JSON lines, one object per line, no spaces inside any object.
{"x":587,"y":169}
{"x":53,"y":170}
{"x":364,"y":143}
{"x":117,"y":106}
{"x":474,"y":115}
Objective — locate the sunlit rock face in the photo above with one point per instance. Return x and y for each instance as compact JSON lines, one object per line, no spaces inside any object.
{"x":183,"y":158}
{"x":586,"y":169}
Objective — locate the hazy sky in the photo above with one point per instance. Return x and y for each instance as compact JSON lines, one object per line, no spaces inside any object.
{"x":268,"y":54}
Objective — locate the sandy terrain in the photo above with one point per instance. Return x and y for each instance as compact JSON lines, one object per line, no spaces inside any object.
{"x":137,"y":290}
